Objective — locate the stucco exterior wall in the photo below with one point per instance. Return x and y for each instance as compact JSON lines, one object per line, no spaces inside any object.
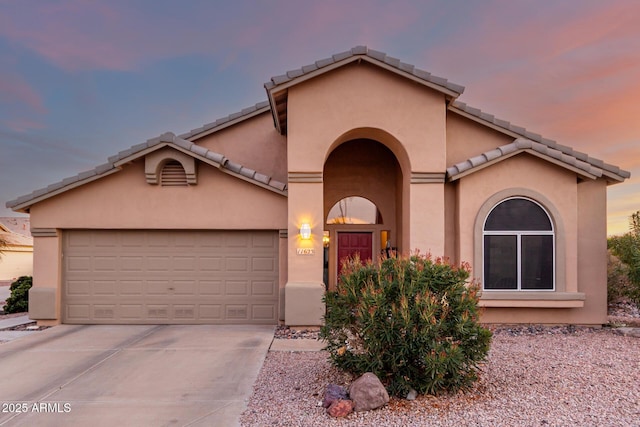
{"x":125,"y":200}
{"x":362,"y":96}
{"x":592,"y":251}
{"x":467,"y":139}
{"x":254,"y":143}
{"x":16,"y":261}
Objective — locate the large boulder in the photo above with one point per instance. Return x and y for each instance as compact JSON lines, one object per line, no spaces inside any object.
{"x":367,"y":393}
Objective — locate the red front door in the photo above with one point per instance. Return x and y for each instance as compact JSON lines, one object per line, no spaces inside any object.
{"x":354,"y":242}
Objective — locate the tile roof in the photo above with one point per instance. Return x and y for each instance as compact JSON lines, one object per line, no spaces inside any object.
{"x":224,"y":122}
{"x":520,"y":133}
{"x":114,"y":163}
{"x":277,"y":86}
{"x":16,"y":224}
{"x":15,"y":239}
{"x":375,"y":57}
{"x":518,"y":146}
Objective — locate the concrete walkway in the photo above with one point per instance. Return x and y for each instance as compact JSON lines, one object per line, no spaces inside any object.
{"x":6,"y":336}
{"x":138,"y":375}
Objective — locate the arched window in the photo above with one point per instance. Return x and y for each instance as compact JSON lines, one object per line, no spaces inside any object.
{"x":519,"y":247}
{"x":354,"y":210}
{"x":173,"y":175}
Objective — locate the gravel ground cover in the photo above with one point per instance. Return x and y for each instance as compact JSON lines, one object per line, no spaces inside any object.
{"x":534,"y":376}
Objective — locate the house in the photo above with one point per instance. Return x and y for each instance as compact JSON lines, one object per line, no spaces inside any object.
{"x":16,"y":257}
{"x":230,"y":222}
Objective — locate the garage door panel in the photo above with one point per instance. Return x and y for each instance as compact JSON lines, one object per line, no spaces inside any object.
{"x":263,"y":264}
{"x":264,"y":288}
{"x":261,"y":311}
{"x":78,"y":263}
{"x":184,"y":263}
{"x":210,"y":287}
{"x":150,"y":277}
{"x":105,"y":263}
{"x":210,"y":264}
{"x":131,"y":287}
{"x":264,"y":241}
{"x":158,"y":263}
{"x":105,"y":288}
{"x":236,"y":264}
{"x":131,"y":312}
{"x":131,"y":240}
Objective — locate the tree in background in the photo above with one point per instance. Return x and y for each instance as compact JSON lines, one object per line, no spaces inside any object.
{"x":627,"y":249}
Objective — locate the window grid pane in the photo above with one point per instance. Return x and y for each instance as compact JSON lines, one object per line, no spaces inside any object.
{"x":537,"y":262}
{"x":500,"y":262}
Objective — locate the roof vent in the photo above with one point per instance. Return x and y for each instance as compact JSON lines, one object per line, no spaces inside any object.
{"x":173,"y":175}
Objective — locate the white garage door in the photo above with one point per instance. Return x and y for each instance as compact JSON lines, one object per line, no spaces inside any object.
{"x":160,"y":276}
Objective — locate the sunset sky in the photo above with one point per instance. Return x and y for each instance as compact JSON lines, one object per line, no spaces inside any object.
{"x":81,"y":80}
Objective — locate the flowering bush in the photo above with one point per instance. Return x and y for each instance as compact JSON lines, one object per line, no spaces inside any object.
{"x":411,"y":320}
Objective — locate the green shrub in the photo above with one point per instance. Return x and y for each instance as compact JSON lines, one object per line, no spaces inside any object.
{"x":412,"y":321}
{"x":19,"y":299}
{"x":627,"y":249}
{"x":618,"y":285}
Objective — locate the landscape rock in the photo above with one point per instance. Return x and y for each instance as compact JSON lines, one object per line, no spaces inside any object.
{"x":367,"y":393}
{"x":412,"y":395}
{"x":340,"y":408}
{"x":334,"y":392}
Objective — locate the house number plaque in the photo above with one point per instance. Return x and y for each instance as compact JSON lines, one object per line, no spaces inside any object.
{"x":305,"y":251}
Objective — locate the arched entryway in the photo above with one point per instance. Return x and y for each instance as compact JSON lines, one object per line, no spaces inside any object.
{"x":363,"y":178}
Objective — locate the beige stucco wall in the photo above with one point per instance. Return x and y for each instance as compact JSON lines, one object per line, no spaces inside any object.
{"x":363,"y":96}
{"x":467,"y":139}
{"x":16,"y":261}
{"x":125,"y":200}
{"x":253,"y":143}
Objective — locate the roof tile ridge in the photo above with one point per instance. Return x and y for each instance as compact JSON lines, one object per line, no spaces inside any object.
{"x":362,"y":50}
{"x":226,"y":119}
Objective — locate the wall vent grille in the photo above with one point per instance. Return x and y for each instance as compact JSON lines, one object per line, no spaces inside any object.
{"x":173,"y":175}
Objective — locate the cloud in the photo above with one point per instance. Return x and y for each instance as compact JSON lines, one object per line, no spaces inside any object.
{"x":21,"y":104}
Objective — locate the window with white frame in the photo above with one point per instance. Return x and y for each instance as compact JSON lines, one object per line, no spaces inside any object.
{"x":518,"y":247}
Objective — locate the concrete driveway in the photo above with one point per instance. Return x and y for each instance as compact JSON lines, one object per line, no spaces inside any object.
{"x":195,"y":375}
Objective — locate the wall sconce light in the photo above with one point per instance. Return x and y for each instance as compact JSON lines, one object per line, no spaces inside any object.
{"x":325,"y":239}
{"x":305,"y":231}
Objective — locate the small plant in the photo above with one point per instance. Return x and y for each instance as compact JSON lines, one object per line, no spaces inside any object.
{"x":19,"y":300}
{"x":412,"y":321}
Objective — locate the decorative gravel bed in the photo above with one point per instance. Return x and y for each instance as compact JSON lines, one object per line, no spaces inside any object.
{"x":534,"y":376}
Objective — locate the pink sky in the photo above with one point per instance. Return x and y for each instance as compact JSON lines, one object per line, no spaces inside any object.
{"x":80,"y":80}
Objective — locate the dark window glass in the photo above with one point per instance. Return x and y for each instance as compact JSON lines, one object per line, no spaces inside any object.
{"x":518,"y":215}
{"x":500,"y":262}
{"x":537,"y":262}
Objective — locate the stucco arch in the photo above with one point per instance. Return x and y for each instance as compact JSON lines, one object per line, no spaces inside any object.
{"x":379,"y":135}
{"x":551,"y":210}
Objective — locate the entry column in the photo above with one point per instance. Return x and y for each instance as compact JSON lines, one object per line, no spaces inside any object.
{"x":305,"y":289}
{"x":427,"y":228}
